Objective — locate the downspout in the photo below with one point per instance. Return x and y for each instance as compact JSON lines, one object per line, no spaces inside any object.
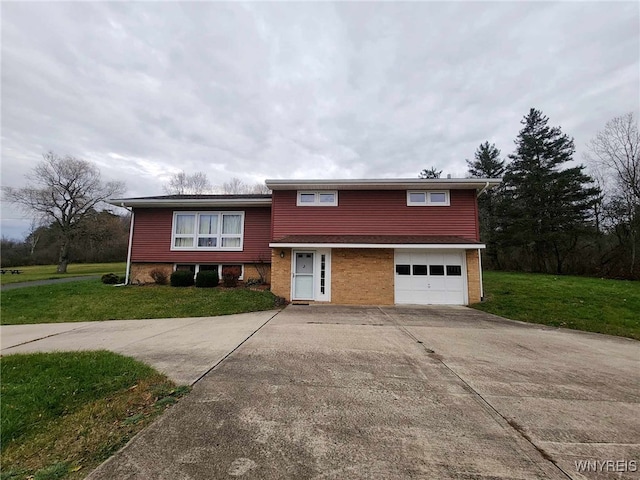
{"x":481,"y":280}
{"x":486,"y":185}
{"x":483,"y":189}
{"x":126,"y":278}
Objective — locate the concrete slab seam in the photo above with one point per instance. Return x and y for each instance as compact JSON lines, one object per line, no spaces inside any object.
{"x":481,"y":400}
{"x":46,"y":336}
{"x":236,"y":348}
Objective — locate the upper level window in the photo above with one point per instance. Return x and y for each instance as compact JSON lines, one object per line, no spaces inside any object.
{"x":428,"y":197}
{"x":317,"y":199}
{"x":207,"y":231}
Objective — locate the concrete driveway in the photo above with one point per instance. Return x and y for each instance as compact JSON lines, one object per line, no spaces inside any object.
{"x":392,"y":393}
{"x":349,"y":392}
{"x":182,"y":348}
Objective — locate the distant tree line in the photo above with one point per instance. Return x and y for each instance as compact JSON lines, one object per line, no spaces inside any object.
{"x":99,"y":237}
{"x":550,"y":215}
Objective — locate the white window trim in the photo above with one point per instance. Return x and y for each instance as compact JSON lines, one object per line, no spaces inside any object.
{"x":218,"y":265}
{"x":427,"y":196}
{"x":317,"y":202}
{"x":219,"y":235}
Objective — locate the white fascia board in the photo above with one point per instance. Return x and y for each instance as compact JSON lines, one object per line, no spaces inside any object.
{"x":408,"y":246}
{"x":384,"y":184}
{"x":195,"y":202}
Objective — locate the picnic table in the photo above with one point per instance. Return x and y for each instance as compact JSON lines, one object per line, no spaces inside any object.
{"x":13,"y":271}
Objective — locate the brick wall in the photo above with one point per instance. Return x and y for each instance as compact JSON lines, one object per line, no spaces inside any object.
{"x":362,"y":276}
{"x":473,"y":276}
{"x":140,"y":272}
{"x":281,"y":272}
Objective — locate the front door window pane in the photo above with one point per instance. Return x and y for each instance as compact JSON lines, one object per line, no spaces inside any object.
{"x":304,"y":263}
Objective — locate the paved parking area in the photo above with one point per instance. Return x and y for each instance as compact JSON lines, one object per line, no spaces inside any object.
{"x":327,"y":392}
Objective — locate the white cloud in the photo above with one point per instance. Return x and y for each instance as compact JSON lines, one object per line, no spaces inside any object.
{"x":303,"y":89}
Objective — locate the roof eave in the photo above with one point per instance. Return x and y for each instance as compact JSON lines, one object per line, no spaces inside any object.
{"x":192,"y":202}
{"x":416,"y":246}
{"x":384,"y":184}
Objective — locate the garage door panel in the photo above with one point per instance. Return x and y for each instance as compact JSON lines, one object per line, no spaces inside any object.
{"x":430,"y":277}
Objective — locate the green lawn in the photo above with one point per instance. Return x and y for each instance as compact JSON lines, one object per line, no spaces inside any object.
{"x":582,"y":303}
{"x":65,"y":413}
{"x":92,"y":300}
{"x":45,"y":272}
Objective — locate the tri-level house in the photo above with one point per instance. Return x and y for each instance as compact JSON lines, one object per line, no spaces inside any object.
{"x":373,"y":241}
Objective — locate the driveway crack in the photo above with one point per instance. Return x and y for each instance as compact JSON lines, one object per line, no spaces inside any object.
{"x":236,"y":348}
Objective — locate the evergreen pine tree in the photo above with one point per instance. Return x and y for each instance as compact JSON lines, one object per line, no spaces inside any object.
{"x":544,"y":208}
{"x":487,"y":164}
{"x":432,"y":172}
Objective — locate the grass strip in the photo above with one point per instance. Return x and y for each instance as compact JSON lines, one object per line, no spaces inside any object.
{"x":580,"y":303}
{"x":92,"y":300}
{"x":65,"y":413}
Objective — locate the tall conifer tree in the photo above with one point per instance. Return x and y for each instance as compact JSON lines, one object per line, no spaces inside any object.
{"x":487,"y":164}
{"x":545,"y":207}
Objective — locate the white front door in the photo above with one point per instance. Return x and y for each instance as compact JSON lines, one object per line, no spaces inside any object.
{"x":303,"y":278}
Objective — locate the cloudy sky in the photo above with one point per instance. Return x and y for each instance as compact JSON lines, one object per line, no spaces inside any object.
{"x":301,"y":90}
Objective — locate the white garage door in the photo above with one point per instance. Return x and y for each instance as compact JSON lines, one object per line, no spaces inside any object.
{"x":430,"y":277}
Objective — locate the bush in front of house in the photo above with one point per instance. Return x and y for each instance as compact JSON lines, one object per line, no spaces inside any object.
{"x":159,"y":276}
{"x":207,"y":279}
{"x":230,"y":276}
{"x":253,"y":282}
{"x":182,"y":278}
{"x":110,"y":279}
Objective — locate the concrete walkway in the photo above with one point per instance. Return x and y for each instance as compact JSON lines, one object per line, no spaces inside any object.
{"x":182,"y":348}
{"x":435,"y":393}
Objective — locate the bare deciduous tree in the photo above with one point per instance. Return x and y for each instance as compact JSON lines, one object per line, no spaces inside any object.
{"x":617,"y":148}
{"x":63,"y":190}
{"x":236,"y":186}
{"x":182,"y":183}
{"x":615,"y":154}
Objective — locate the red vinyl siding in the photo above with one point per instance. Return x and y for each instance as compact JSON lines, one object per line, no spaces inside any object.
{"x":152,"y":238}
{"x":375,"y":212}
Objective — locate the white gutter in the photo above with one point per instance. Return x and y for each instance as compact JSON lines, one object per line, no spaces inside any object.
{"x":189,"y":202}
{"x":126,"y":278}
{"x":440,"y":246}
{"x":380,"y":184}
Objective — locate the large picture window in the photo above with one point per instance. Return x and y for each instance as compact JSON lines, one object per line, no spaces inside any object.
{"x":207,"y":231}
